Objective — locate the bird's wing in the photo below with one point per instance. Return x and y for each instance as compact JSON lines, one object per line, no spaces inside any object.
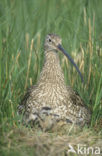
{"x":21,"y":106}
{"x":80,"y":110}
{"x":75,"y":97}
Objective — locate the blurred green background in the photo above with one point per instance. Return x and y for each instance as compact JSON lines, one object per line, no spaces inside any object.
{"x":23,"y":27}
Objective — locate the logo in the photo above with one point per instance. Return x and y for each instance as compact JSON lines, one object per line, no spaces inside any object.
{"x":83,"y":149}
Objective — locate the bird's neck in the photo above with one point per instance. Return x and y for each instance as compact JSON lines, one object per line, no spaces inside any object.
{"x":52,"y":72}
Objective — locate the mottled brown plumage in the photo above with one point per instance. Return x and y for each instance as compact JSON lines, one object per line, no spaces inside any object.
{"x":50,"y":96}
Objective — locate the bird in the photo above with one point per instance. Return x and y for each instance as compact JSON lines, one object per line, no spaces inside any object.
{"x":51,"y":96}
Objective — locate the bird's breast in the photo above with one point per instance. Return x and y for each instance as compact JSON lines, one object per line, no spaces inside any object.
{"x":50,"y":95}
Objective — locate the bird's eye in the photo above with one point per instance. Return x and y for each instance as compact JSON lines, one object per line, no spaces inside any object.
{"x":49,"y":40}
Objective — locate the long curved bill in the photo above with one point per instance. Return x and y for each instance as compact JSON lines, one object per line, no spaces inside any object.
{"x":71,"y":60}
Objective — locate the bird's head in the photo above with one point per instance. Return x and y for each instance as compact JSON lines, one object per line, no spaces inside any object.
{"x":53,"y":43}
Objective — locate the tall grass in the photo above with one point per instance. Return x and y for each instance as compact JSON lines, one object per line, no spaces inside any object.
{"x":23,"y":27}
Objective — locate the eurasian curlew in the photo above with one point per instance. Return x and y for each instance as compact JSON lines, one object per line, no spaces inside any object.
{"x":50,"y":96}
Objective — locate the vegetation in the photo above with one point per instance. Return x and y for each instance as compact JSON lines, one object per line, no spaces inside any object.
{"x":23,"y":27}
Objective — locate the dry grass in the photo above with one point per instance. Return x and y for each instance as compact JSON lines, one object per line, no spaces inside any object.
{"x":24,"y":140}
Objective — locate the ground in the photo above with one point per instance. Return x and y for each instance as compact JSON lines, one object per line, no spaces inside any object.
{"x":24,"y":141}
